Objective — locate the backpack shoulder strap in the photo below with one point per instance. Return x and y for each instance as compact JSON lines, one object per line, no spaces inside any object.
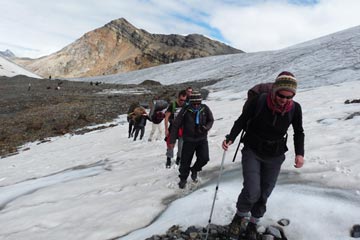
{"x":261,"y":101}
{"x":260,"y":104}
{"x":292,"y":112}
{"x":173,"y":107}
{"x":186,"y":109}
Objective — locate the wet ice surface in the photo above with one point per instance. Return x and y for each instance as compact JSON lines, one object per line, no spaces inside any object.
{"x":14,"y":191}
{"x":328,"y":213}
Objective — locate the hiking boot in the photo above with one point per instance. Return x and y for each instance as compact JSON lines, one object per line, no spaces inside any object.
{"x":237,"y":227}
{"x":194,"y":175}
{"x":168,"y":162}
{"x":251,"y":231}
{"x":177,"y":162}
{"x":182,"y":184}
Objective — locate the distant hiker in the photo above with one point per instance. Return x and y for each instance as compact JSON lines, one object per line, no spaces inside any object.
{"x":265,"y":122}
{"x":156,"y":115}
{"x":29,"y":87}
{"x":196,"y":120}
{"x":189,"y":91}
{"x":170,"y":114}
{"x":130,"y":117}
{"x":139,"y":116}
{"x":49,"y":76}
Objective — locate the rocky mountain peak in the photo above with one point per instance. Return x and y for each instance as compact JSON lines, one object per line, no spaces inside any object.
{"x":119,"y":47}
{"x":122,"y":25}
{"x":7,"y":54}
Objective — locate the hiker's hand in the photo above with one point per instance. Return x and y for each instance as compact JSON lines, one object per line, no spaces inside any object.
{"x":299,"y":161}
{"x":167,"y":132}
{"x":203,"y":129}
{"x":226,"y":144}
{"x":171,"y":146}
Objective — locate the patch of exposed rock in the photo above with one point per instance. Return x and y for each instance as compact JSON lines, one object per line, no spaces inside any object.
{"x":216,"y":232}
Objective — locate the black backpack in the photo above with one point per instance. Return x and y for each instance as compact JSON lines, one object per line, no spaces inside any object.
{"x":157,"y":117}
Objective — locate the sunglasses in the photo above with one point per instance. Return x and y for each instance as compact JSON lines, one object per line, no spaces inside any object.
{"x":182,"y":100}
{"x":195,"y":103}
{"x":283,"y":96}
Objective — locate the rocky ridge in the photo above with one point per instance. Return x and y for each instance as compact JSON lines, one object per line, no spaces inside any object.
{"x":120,"y":47}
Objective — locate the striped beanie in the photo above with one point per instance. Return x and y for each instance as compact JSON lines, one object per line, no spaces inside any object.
{"x":195,"y":97}
{"x":285,"y":81}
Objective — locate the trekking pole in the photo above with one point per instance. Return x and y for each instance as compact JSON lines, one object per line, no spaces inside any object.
{"x":237,"y":149}
{"x":216,"y":189}
{"x":238,"y":146}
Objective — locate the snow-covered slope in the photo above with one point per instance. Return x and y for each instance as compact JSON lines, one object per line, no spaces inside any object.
{"x":10,"y":69}
{"x":331,"y":59}
{"x":102,"y":184}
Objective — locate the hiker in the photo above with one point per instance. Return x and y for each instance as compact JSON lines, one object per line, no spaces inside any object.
{"x":130,"y":118}
{"x":139,"y":116}
{"x":265,"y":122}
{"x":196,"y":119}
{"x":189,"y":91}
{"x":156,"y":115}
{"x":170,"y":114}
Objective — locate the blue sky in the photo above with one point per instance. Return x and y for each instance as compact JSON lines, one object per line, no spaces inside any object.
{"x":34,"y":28}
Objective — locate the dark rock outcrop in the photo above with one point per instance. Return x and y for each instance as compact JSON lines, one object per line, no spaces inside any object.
{"x":216,"y":232}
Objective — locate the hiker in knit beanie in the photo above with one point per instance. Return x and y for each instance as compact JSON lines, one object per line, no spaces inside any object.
{"x":285,"y":81}
{"x":195,"y":99}
{"x":196,"y":119}
{"x":283,"y":91}
{"x":264,"y":122}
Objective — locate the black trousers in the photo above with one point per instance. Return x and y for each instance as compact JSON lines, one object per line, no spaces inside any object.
{"x":142,"y":131}
{"x":260,"y":176}
{"x":131,"y":125}
{"x":201,"y":148}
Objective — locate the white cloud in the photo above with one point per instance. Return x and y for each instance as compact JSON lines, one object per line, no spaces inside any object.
{"x":43,"y":27}
{"x":270,"y":25}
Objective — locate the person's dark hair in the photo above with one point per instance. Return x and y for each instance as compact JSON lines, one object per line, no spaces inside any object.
{"x":182,"y":93}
